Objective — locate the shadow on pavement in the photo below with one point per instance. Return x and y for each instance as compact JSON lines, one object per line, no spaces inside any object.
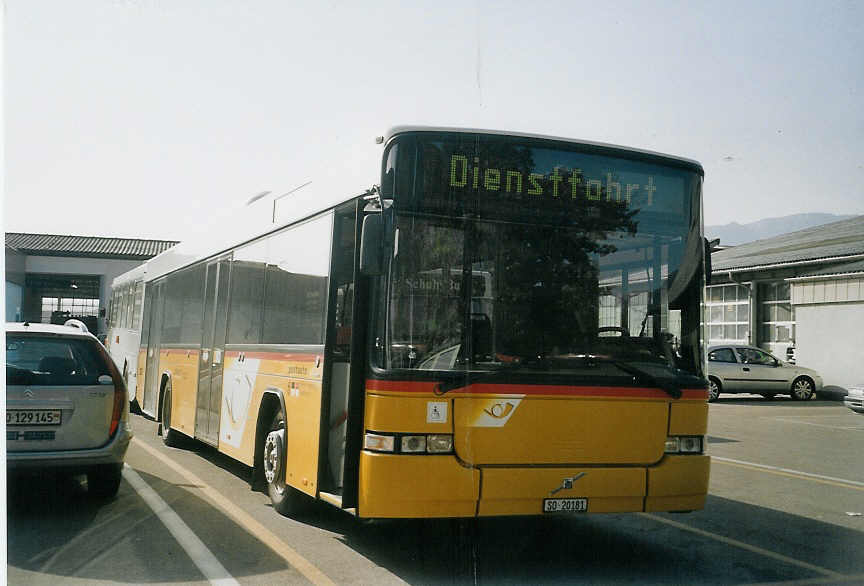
{"x":610,"y":549}
{"x":780,"y":400}
{"x":57,"y":530}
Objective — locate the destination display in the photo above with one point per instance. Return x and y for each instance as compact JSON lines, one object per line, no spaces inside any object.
{"x":496,"y":176}
{"x":557,"y":183}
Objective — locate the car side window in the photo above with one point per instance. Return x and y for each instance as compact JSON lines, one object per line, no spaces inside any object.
{"x":722,"y":355}
{"x":753,"y":356}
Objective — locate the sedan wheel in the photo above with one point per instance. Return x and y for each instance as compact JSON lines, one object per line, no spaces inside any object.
{"x":802,"y":389}
{"x":713,"y":389}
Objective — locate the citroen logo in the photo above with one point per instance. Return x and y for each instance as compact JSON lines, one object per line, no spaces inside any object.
{"x":28,"y":394}
{"x":567,"y":483}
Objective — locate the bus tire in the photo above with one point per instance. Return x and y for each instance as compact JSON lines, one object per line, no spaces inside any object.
{"x":287,"y":500}
{"x":170,"y":437}
{"x":135,"y":408}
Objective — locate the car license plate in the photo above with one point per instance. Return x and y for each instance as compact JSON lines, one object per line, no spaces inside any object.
{"x":33,"y":417}
{"x":565,"y":505}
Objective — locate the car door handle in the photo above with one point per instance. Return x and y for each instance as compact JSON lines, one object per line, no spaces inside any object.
{"x":746,"y":369}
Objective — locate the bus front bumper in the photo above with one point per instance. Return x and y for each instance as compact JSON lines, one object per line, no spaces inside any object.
{"x":400,"y":486}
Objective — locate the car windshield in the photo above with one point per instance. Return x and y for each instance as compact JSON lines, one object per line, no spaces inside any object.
{"x":52,"y":360}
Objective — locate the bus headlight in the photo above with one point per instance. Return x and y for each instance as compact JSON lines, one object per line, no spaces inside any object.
{"x":439,"y":444}
{"x":685,"y":444}
{"x":378,"y":443}
{"x":436,"y":443}
{"x":413,"y":444}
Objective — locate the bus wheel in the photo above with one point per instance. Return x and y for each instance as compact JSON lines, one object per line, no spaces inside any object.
{"x":286,"y":499}
{"x":170,"y":437}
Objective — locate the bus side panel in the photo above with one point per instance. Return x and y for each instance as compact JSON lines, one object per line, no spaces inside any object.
{"x":183,"y":366}
{"x":139,"y":376}
{"x":122,"y":345}
{"x":303,"y":403}
{"x":242,"y":392}
{"x":298,"y":380}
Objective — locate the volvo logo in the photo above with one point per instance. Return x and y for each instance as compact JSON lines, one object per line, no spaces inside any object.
{"x":567,"y":483}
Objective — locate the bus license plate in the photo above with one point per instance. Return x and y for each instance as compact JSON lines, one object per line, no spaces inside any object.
{"x":33,"y":417}
{"x":565,"y":505}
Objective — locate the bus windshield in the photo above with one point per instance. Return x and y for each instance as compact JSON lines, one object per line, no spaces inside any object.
{"x":560,"y":258}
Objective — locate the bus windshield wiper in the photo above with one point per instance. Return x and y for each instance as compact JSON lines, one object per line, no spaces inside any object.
{"x":466,"y":378}
{"x":669,"y":386}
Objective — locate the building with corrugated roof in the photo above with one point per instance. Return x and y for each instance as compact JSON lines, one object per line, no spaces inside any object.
{"x":803,"y":290}
{"x":51,"y":278}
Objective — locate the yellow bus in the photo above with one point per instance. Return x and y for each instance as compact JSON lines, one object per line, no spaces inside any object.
{"x":505,"y":324}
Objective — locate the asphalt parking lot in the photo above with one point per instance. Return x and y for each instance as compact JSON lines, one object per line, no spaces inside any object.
{"x":785,"y":507}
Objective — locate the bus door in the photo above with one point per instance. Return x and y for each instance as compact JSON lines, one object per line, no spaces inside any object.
{"x":152,"y":376}
{"x":339,"y":411}
{"x":211,"y":359}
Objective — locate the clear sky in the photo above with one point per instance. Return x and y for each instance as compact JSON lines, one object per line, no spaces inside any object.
{"x":139,"y":118}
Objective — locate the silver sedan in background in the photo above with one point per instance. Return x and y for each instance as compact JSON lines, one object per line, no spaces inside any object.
{"x":855,"y":399}
{"x":736,"y":368}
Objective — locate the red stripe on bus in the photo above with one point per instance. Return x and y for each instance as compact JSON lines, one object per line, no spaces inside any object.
{"x":274,"y":356}
{"x":170,"y":351}
{"x":511,"y":389}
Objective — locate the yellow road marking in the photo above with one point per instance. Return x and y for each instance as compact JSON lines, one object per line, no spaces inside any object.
{"x":286,"y":552}
{"x":854,"y":485}
{"x":745,"y":546}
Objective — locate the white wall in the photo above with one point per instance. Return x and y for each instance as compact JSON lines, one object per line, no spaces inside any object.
{"x":830,"y":339}
{"x":13,"y":301}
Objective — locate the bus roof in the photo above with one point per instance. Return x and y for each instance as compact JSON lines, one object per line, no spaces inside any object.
{"x":262,"y":215}
{"x":131,"y":275}
{"x":245,"y":222}
{"x":611,"y":148}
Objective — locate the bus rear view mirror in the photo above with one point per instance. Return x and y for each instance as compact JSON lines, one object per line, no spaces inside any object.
{"x":709,"y":247}
{"x":371,"y":245}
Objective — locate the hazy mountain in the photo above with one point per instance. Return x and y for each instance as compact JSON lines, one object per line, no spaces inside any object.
{"x":735,"y":233}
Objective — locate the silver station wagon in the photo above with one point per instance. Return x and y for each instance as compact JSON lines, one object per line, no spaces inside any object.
{"x":746,"y":369}
{"x":66,"y":405}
